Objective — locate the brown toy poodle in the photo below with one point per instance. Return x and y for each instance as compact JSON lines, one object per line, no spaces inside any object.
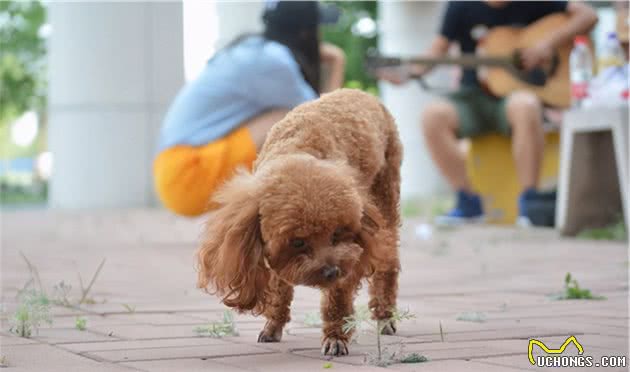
{"x":320,"y":209}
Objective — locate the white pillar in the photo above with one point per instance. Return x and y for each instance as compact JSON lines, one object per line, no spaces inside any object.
{"x":237,"y":18}
{"x":113,"y":70}
{"x":407,"y":29}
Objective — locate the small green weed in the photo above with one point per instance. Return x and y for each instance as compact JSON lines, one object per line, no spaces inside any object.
{"x":4,"y":363}
{"x":33,"y":310}
{"x":328,"y":365}
{"x":222,"y":328}
{"x":572,"y":291}
{"x":62,"y":290}
{"x":414,"y":358}
{"x":616,"y":231}
{"x":362,"y":319}
{"x":80,"y":323}
{"x":86,"y":290}
{"x":129,"y":308}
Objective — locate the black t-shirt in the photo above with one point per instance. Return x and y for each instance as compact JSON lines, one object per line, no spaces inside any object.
{"x":465,"y":22}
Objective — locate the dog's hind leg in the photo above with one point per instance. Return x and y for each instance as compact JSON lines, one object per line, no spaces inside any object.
{"x":277,"y":311}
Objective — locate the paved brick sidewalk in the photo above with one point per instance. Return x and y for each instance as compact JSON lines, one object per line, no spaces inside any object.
{"x":147,"y":306}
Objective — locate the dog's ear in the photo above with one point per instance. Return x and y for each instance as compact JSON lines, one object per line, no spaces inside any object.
{"x":380,"y":245}
{"x":230,"y":258}
{"x":371,"y":220}
{"x":371,"y":229}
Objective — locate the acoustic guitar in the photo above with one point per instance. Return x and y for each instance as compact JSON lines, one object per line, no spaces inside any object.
{"x":499,"y":55}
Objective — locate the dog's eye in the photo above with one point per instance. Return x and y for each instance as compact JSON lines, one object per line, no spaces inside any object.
{"x":339,"y":234}
{"x":298,"y":243}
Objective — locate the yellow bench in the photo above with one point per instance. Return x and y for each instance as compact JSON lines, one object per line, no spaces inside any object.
{"x":491,"y":169}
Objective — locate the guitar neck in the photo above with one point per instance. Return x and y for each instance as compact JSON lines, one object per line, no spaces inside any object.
{"x":465,"y":60}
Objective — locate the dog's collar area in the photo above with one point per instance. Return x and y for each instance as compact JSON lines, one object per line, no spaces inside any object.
{"x":268,"y":267}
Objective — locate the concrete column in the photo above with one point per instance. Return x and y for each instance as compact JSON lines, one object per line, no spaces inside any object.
{"x":237,"y":18}
{"x":407,"y":29}
{"x":113,"y":70}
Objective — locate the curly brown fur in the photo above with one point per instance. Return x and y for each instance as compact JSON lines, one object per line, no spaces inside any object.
{"x":321,"y":209}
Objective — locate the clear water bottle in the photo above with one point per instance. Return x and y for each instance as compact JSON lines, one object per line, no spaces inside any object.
{"x":611,"y":53}
{"x":581,"y":70}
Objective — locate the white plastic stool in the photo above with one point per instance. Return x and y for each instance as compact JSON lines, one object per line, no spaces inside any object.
{"x":587,"y":176}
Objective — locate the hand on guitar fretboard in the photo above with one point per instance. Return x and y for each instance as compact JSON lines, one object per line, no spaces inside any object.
{"x":397,"y":73}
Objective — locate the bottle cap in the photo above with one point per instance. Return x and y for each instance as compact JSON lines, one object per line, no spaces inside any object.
{"x":580,"y":40}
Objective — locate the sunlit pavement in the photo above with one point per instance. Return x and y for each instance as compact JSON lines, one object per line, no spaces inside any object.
{"x":499,"y":282}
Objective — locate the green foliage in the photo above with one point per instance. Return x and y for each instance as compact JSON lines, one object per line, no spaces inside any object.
{"x":33,"y":310}
{"x":222,"y":328}
{"x":80,"y":323}
{"x":22,"y":87}
{"x":13,"y":194}
{"x":22,"y":62}
{"x":10,"y":150}
{"x":328,"y":365}
{"x":616,"y":231}
{"x":354,"y":46}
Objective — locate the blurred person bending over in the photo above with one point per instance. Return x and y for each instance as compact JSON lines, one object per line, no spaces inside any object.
{"x":220,"y":120}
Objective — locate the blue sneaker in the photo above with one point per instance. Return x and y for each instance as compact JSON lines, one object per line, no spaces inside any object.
{"x":536,"y":208}
{"x":467,"y":209}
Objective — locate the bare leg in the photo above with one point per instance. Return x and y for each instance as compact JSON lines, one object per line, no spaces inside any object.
{"x":439,"y":125}
{"x":277,"y":311}
{"x":260,"y":125}
{"x":524,"y":113}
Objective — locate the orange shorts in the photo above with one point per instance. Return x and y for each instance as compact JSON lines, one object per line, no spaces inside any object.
{"x":186,"y":176}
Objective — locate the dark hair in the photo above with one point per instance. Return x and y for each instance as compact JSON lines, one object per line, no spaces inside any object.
{"x":298,"y":31}
{"x":304,"y":45}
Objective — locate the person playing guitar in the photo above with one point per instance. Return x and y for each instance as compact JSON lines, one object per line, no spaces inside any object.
{"x":472,"y":110}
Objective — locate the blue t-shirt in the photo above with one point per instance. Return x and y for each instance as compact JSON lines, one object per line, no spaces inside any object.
{"x":239,"y":83}
{"x":465,"y":22}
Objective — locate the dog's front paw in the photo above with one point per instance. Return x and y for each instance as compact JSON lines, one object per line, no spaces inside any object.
{"x":270,"y":333}
{"x":389,"y":329}
{"x":334,"y":346}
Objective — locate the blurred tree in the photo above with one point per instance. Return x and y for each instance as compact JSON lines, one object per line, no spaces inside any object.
{"x":355,"y":33}
{"x":22,"y":68}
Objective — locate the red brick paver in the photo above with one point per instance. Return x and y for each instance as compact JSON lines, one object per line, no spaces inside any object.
{"x":145,"y":305}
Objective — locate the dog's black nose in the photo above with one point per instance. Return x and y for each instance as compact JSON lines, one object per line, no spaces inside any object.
{"x":330,"y":272}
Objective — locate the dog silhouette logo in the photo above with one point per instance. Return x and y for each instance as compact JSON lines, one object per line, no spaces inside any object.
{"x":547,"y":350}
